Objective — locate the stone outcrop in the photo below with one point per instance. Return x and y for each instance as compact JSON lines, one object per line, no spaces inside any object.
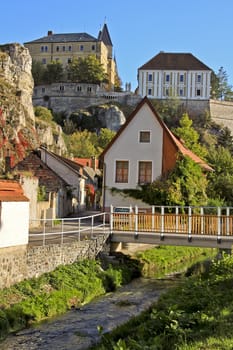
{"x":18,"y":132}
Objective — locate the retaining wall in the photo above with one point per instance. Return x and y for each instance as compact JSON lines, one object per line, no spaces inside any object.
{"x":23,"y":262}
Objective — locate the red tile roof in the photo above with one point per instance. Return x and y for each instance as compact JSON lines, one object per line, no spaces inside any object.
{"x":11,"y":191}
{"x":179,"y":146}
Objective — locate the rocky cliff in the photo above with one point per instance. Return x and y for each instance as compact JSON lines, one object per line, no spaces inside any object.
{"x":18,"y":132}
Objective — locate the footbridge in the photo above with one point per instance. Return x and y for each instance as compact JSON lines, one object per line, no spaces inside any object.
{"x":166,"y":225}
{"x":156,"y":225}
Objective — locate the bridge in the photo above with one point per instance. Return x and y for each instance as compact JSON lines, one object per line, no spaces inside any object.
{"x":210,"y":227}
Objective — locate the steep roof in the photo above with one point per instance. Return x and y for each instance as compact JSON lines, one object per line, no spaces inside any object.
{"x":69,"y":163}
{"x":174,"y":61}
{"x":11,"y":191}
{"x":47,"y":177}
{"x":64,"y":38}
{"x":179,"y":146}
{"x":105,"y":36}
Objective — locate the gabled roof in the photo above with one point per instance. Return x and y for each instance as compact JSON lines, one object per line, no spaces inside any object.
{"x":64,"y":38}
{"x":174,"y":61}
{"x":105,"y":36}
{"x":179,"y":146}
{"x":11,"y":191}
{"x":47,"y":177}
{"x":69,"y":163}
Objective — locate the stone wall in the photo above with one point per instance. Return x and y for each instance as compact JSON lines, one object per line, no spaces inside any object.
{"x":222,"y":113}
{"x":19,"y":263}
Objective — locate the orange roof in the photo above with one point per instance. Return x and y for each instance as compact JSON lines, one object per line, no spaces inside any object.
{"x":11,"y":191}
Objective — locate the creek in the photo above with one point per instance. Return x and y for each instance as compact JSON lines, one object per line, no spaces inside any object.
{"x":78,"y":328}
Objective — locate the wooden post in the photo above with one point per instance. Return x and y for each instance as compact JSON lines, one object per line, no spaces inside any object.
{"x":162,"y":224}
{"x":189,"y":224}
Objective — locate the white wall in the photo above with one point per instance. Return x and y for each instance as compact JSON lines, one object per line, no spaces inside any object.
{"x":14,"y":224}
{"x":128,"y":147}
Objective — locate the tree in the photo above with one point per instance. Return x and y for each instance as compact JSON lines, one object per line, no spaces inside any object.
{"x":220,"y":181}
{"x":220,"y":89}
{"x":105,"y":137}
{"x":87,"y":70}
{"x":38,"y":71}
{"x":189,"y":136}
{"x":82,"y":144}
{"x":54,"y":72}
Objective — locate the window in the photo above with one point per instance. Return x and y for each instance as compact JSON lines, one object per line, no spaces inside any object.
{"x":149,"y":92}
{"x":181,"y":78}
{"x":81,"y":47}
{"x":79,"y":88}
{"x":70,"y":48}
{"x":57,"y":48}
{"x":63,"y":48}
{"x":199,"y":78}
{"x":144,"y":136}
{"x":167,"y":78}
{"x":89,"y":89}
{"x":43,"y":90}
{"x":122,"y":171}
{"x":42,"y":49}
{"x":62,"y":88}
{"x":181,"y":92}
{"x":43,"y":60}
{"x":93,"y":47}
{"x":145,"y":172}
{"x":167,"y":92}
{"x":150,"y":77}
{"x":198,"y":92}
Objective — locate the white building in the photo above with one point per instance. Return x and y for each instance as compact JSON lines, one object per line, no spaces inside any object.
{"x":179,"y":75}
{"x":14,"y":215}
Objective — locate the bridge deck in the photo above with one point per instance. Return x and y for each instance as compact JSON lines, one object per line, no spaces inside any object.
{"x":205,"y":230}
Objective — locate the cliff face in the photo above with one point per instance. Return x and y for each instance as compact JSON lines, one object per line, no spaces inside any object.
{"x":17,"y":120}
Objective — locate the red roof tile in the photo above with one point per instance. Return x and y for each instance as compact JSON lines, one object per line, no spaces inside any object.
{"x":11,"y":191}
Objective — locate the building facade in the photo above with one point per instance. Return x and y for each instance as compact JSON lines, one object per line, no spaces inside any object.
{"x":66,"y":47}
{"x":142,"y":150}
{"x":179,"y":75}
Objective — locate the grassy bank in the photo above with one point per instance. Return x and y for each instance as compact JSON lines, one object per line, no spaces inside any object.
{"x":195,"y":315}
{"x":54,"y":293}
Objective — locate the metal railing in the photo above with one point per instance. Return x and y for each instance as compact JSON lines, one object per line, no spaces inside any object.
{"x":216,"y":221}
{"x":61,"y":230}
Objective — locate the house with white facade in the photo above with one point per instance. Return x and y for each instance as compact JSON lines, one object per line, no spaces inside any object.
{"x":14,"y":215}
{"x":142,"y":150}
{"x":179,"y":75}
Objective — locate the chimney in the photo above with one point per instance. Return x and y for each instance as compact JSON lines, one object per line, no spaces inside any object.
{"x":93,"y":163}
{"x":50,"y":32}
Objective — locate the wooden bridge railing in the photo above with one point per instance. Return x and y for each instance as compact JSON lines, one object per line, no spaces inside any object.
{"x":180,"y":220}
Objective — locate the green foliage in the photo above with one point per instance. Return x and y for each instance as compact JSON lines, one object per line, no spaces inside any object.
{"x":185,"y":185}
{"x":38,"y":72}
{"x":189,"y":136}
{"x":56,"y":292}
{"x":87,"y":70}
{"x":195,"y":314}
{"x":41,"y":194}
{"x":43,"y":113}
{"x":105,"y":136}
{"x":53,"y":72}
{"x":220,"y":182}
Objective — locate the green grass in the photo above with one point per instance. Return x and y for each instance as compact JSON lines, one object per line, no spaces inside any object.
{"x":54,"y":293}
{"x":197,"y":314}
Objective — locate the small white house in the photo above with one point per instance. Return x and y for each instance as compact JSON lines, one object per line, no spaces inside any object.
{"x":14,"y":214}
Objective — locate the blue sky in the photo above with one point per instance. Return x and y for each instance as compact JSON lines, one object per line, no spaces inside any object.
{"x":139,"y":29}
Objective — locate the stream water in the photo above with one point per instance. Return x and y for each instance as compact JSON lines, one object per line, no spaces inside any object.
{"x":78,"y":328}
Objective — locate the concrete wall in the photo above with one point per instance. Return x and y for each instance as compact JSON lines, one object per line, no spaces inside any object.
{"x":23,"y":262}
{"x":222,"y":113}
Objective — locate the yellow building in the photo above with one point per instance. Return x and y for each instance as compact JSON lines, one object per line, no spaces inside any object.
{"x":66,"y":47}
